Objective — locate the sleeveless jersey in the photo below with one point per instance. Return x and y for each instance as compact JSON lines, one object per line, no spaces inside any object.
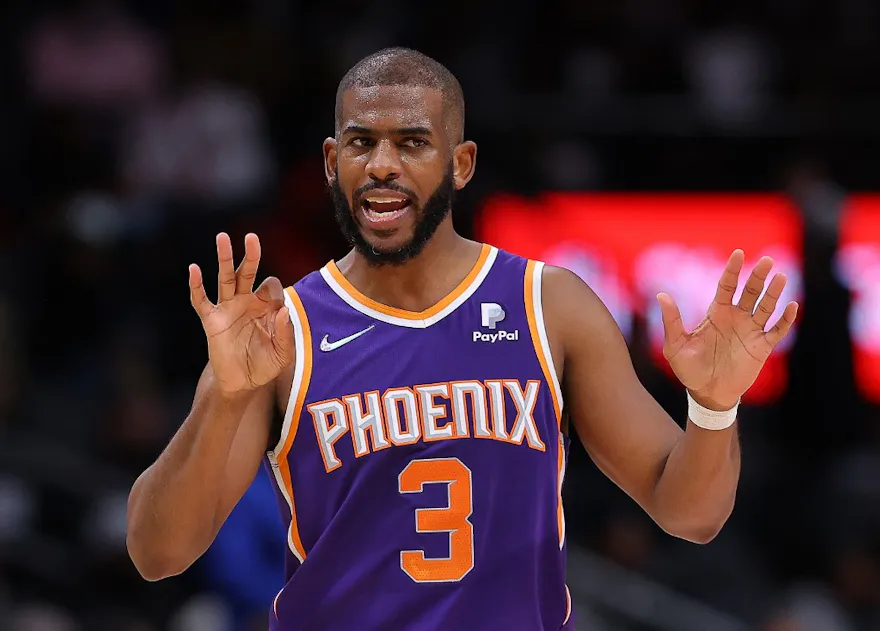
{"x":420,"y":464}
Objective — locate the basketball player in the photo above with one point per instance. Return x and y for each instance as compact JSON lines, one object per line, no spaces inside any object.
{"x":425,"y":382}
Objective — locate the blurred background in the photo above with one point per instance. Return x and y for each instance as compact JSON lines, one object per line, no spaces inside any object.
{"x":635,"y":141}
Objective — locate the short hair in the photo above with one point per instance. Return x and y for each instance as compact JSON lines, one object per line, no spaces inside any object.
{"x":406,"y":67}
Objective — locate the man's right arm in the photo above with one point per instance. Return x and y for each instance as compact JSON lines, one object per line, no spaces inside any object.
{"x":178,"y":504}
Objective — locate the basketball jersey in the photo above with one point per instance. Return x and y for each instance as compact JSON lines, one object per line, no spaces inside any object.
{"x":420,"y":464}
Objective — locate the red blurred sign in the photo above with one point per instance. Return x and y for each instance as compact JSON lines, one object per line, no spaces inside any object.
{"x":629,"y":247}
{"x":858,"y":267}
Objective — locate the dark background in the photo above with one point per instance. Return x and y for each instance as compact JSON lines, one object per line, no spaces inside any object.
{"x":132,"y":132}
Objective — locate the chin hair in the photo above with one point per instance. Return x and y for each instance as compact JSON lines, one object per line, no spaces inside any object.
{"x":429,"y":217}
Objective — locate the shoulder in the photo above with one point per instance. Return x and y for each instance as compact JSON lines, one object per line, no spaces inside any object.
{"x":555,"y":281}
{"x":562,"y":292}
{"x":567,"y":293}
{"x":574,"y":314}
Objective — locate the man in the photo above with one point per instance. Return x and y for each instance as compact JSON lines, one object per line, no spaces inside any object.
{"x":425,"y":382}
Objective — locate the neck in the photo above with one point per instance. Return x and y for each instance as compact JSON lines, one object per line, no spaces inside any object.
{"x":421,"y":282}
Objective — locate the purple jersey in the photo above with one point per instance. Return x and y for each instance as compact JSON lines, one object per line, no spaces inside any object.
{"x":420,"y":463}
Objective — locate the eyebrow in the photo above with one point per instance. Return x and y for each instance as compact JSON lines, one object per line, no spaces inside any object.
{"x":400,"y":131}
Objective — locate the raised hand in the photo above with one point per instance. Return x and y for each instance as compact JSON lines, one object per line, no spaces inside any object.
{"x":721,"y":358}
{"x":250,"y":335}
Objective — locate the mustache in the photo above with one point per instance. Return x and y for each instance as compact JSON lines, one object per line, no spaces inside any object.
{"x":386,"y":186}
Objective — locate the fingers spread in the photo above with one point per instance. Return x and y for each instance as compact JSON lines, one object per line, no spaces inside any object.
{"x":197,"y":295}
{"x":729,"y":278}
{"x":672,"y":323}
{"x":775,"y":335}
{"x":768,"y":303}
{"x":226,"y":273}
{"x":247,"y":271}
{"x":755,"y":284}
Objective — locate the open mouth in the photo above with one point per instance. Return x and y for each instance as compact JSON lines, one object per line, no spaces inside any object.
{"x":382,"y":209}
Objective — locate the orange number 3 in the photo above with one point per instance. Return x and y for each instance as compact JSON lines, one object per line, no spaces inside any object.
{"x":453,"y":519}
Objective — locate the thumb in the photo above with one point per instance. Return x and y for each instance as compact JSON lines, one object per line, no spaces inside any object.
{"x":272,"y":292}
{"x":283,"y":338}
{"x":672,"y":323}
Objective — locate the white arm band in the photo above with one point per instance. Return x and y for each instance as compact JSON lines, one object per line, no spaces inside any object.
{"x":710,"y":419}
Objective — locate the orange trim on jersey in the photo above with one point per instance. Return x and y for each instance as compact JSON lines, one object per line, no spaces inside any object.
{"x":448,"y":417}
{"x":546,"y":367}
{"x":374,"y":438}
{"x":411,"y":420}
{"x":475,"y":412}
{"x":463,"y":286}
{"x":340,"y":418}
{"x":560,"y":473}
{"x":283,"y":465}
{"x":530,"y":412}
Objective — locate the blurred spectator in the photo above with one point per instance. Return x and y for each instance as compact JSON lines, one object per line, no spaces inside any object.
{"x":205,"y":145}
{"x":729,"y":71}
{"x":92,"y":54}
{"x":849,"y":603}
{"x":41,"y":617}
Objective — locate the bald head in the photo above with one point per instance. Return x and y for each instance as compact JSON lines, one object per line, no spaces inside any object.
{"x":407,"y":67}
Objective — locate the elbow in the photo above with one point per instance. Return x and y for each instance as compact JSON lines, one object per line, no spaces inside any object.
{"x":154,"y":554}
{"x":147,"y":554}
{"x":698,"y":529}
{"x":151,"y":571}
{"x":148,"y":565}
{"x":153,"y":562}
{"x":701,"y":535}
{"x":696,"y":520}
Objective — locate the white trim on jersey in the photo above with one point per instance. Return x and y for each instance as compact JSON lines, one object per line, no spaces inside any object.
{"x":275,"y":455}
{"x":298,"y":374}
{"x":542,"y":331}
{"x":354,"y":303}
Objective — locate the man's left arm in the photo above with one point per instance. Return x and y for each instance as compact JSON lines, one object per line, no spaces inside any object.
{"x":685,"y":480}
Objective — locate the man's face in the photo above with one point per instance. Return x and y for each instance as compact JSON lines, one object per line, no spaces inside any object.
{"x":391,"y":170}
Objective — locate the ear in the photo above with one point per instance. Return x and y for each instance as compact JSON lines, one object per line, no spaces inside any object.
{"x":464,"y":162}
{"x":330,"y":147}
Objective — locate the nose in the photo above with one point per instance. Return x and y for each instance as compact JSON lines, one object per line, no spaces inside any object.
{"x":384,"y":164}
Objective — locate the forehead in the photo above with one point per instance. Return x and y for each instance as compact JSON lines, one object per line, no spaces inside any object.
{"x":394,"y":106}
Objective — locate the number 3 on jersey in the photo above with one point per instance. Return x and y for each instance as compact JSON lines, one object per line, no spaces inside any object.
{"x":452,"y":519}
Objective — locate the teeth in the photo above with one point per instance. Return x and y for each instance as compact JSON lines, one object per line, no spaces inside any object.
{"x":375,"y":217}
{"x":385,"y":200}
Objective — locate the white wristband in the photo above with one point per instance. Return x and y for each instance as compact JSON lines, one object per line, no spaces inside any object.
{"x":710,"y":419}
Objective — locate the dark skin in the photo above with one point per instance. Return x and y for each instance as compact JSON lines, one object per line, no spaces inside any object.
{"x":400,"y":134}
{"x":685,"y":480}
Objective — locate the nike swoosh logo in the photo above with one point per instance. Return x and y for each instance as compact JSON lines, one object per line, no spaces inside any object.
{"x":328,"y":346}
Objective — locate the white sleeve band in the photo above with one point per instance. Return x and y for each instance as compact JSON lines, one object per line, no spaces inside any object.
{"x":710,"y":419}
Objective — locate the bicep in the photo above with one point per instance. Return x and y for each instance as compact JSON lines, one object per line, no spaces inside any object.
{"x":248,"y":446}
{"x":626,"y":432}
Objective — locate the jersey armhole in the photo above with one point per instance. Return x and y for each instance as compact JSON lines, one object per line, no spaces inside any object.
{"x":277,"y":423}
{"x":302,"y":373}
{"x":535,"y":314}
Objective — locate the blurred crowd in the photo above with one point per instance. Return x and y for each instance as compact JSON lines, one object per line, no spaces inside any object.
{"x":134,"y":131}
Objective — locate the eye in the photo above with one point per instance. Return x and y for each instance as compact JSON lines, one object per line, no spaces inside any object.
{"x":361,"y":141}
{"x":415,"y":142}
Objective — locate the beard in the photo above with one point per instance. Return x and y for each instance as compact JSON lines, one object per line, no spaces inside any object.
{"x":428,"y":219}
